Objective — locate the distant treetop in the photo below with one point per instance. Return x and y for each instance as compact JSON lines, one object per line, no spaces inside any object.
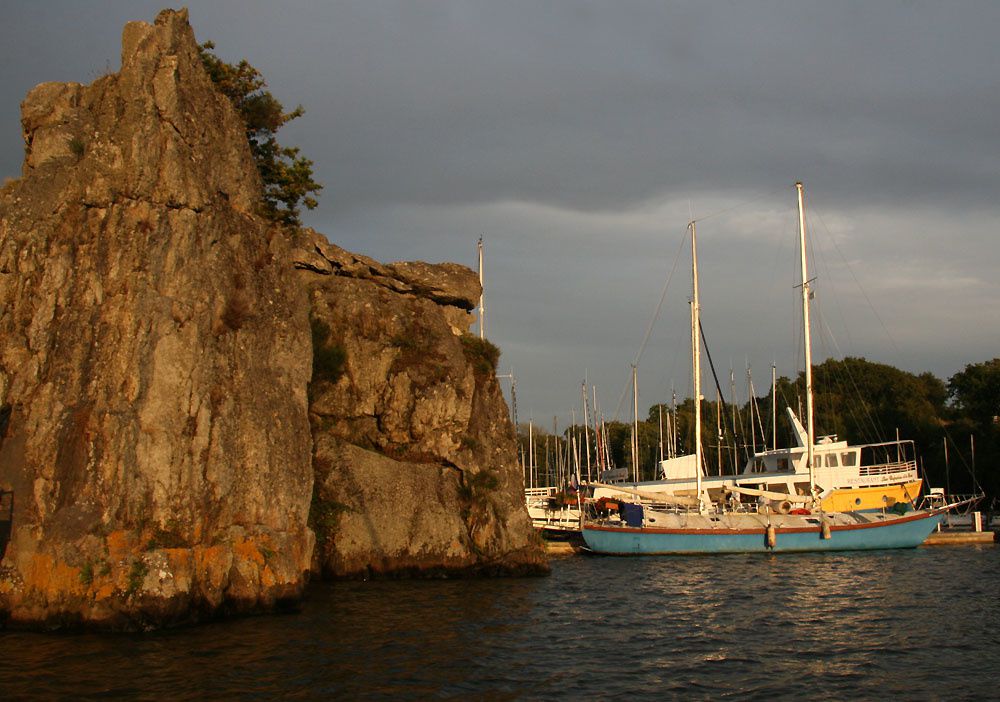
{"x":287,"y":176}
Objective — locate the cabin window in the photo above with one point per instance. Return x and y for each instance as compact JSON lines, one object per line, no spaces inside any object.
{"x":831,"y":460}
{"x":782,"y":465}
{"x":759,"y":466}
{"x":850,"y":458}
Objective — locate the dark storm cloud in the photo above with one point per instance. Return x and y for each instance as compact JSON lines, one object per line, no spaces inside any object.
{"x":606,"y":105}
{"x":594,"y":105}
{"x":580,"y":137}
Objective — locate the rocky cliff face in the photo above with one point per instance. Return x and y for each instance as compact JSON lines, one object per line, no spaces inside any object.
{"x":155,"y":401}
{"x":154,"y":355}
{"x":415,"y":459}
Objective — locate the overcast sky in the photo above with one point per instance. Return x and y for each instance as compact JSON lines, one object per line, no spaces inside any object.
{"x":579,"y":138}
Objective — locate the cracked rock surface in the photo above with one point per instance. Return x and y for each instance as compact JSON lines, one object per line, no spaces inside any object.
{"x":169,"y":457}
{"x":154,"y":356}
{"x":415,"y":457}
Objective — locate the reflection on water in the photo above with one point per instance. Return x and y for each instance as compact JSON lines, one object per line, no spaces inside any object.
{"x":909,"y":624}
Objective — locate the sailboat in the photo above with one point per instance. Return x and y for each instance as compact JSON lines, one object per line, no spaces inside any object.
{"x":745,"y":519}
{"x":857,"y":477}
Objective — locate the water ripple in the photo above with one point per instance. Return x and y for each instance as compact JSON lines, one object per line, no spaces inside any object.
{"x":915,"y":625}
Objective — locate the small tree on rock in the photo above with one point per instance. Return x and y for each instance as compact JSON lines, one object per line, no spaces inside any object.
{"x":287,"y":176}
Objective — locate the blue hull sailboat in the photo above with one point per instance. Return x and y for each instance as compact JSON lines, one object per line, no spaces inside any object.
{"x":743,"y":519}
{"x":675,"y":533}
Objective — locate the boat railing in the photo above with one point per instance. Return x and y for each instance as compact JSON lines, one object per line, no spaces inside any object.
{"x":540,"y":491}
{"x":650,"y":508}
{"x":888,"y":468}
{"x":961,"y":505}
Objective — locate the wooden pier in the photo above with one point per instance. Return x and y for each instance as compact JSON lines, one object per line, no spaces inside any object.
{"x":958,"y":538}
{"x":561,"y":548}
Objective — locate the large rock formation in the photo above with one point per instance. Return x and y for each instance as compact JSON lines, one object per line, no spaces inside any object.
{"x":415,"y":459}
{"x":154,"y":355}
{"x":155,"y":397}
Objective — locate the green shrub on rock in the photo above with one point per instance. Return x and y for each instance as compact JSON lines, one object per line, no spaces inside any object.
{"x":482,"y":354}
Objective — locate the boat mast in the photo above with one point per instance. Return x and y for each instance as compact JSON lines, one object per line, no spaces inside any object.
{"x":718,"y":430}
{"x":972,"y":449}
{"x":659,"y":414}
{"x":736,"y":416}
{"x":598,"y":441}
{"x":696,"y":360}
{"x":635,"y":423}
{"x":752,"y":404}
{"x":482,"y":294}
{"x":513,"y":395}
{"x":808,"y":343}
{"x":586,"y":426}
{"x":556,"y":451}
{"x":673,"y":425}
{"x":774,"y":407}
{"x":607,"y":445}
{"x":670,"y":450}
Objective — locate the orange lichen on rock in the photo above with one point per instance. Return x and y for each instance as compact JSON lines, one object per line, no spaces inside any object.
{"x":248,"y":551}
{"x":104,"y":591}
{"x":53,"y":577}
{"x":211,"y":564}
{"x":267,"y":578}
{"x":121,"y":545}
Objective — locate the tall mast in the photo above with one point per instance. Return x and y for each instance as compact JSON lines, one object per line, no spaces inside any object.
{"x":586,"y":426}
{"x":752,"y":404}
{"x":732,"y":395}
{"x":659,"y":414}
{"x":531,"y":453}
{"x":597,"y":433}
{"x":808,"y":343}
{"x":482,"y":294}
{"x":556,"y":451}
{"x":635,"y":423}
{"x":604,"y":441}
{"x":718,"y":430}
{"x":696,"y":359}
{"x":774,"y":406}
{"x":673,"y":425}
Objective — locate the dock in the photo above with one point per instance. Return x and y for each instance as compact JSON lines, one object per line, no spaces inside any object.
{"x":561,"y":548}
{"x":959,"y":538}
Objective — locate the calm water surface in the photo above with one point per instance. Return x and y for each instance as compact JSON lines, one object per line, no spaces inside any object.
{"x":921,"y":624}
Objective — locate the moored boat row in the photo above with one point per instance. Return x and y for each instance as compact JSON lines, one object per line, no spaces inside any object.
{"x":819,"y":495}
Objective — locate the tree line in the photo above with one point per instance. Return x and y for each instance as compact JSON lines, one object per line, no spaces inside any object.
{"x":955,"y":425}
